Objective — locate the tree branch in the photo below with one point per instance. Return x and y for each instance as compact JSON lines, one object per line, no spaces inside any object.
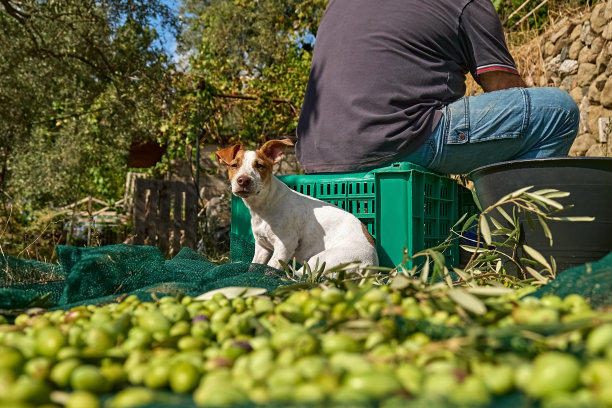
{"x":14,"y":12}
{"x":255,"y":98}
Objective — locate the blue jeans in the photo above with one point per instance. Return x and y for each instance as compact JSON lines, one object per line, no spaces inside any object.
{"x":511,"y":124}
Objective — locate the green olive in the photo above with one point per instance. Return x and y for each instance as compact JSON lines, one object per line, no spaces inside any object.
{"x":553,"y":372}
{"x":11,"y":359}
{"x":60,"y":373}
{"x":80,"y":399}
{"x":133,"y":397}
{"x":49,"y":340}
{"x":184,"y":377}
{"x":89,"y":378}
{"x":376,"y":384}
{"x":599,"y":339}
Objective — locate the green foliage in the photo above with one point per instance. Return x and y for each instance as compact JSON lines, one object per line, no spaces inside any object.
{"x":512,"y":12}
{"x":81,"y":80}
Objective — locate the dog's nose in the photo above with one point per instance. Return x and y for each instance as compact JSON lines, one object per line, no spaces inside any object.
{"x":244,"y":181}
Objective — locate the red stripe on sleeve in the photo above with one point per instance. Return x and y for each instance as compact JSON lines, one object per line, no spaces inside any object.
{"x":496,"y":68}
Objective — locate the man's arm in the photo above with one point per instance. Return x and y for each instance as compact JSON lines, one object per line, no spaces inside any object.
{"x":496,"y":80}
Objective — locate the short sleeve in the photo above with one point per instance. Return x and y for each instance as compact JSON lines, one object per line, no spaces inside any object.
{"x":482,"y":39}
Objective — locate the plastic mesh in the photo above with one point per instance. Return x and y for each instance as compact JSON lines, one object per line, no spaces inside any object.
{"x":27,"y":283}
{"x":593,"y":281}
{"x":102,"y":274}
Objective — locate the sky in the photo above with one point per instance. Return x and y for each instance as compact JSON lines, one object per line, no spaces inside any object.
{"x":167,"y":39}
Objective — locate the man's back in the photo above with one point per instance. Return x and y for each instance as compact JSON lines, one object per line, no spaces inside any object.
{"x":381,"y":72}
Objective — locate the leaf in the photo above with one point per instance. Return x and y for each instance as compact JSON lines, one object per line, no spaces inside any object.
{"x":425,"y":271}
{"x":515,"y":194}
{"x":347,"y":266}
{"x":505,"y":215}
{"x":399,"y":282}
{"x":536,"y":256}
{"x":459,"y":220}
{"x":503,"y":231}
{"x":536,"y":274}
{"x":286,"y":268}
{"x":547,"y":232}
{"x":529,"y":220}
{"x":466,"y":277}
{"x":543,"y":199}
{"x":573,"y":219}
{"x":498,"y":266}
{"x":472,"y":249}
{"x":497,"y":224}
{"x":468,"y":223}
{"x":490,"y":291}
{"x":438,"y":261}
{"x":485,"y":231}
{"x":553,"y":263}
{"x":545,"y":191}
{"x":232,"y":292}
{"x":447,"y":277}
{"x":467,"y":301}
{"x":553,"y":193}
{"x":476,"y":201}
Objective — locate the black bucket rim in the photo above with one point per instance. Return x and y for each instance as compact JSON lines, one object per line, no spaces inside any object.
{"x":605,"y":163}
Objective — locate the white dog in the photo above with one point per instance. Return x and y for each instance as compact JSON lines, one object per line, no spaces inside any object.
{"x":287,"y":224}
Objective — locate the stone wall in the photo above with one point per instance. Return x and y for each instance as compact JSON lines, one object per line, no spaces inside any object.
{"x":577,"y":56}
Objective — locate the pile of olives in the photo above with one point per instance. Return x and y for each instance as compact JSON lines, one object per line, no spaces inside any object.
{"x":322,"y":346}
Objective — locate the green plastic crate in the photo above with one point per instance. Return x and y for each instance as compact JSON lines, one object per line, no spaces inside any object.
{"x":402,"y":206}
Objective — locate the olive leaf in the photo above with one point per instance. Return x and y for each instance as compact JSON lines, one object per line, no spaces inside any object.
{"x":546,"y":230}
{"x":399,"y":281}
{"x":536,"y":274}
{"x":545,"y":200}
{"x":476,"y":201}
{"x":472,"y":249}
{"x":467,"y":301}
{"x":485,"y":230}
{"x":459,"y":220}
{"x":232,"y":292}
{"x":573,"y":219}
{"x":468,"y":223}
{"x":505,"y":215}
{"x":497,"y":224}
{"x":489,"y":290}
{"x":536,"y":256}
{"x":514,"y":194}
{"x":425,"y":271}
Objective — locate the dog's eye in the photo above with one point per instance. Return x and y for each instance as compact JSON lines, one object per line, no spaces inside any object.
{"x":259,"y":165}
{"x":233,"y":165}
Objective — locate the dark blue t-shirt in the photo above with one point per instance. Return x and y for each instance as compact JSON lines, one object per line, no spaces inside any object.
{"x":381,"y":71}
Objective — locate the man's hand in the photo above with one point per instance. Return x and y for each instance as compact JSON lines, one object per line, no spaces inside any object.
{"x":497,"y":80}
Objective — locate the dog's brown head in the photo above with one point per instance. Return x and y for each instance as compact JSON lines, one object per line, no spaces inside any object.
{"x":249,"y":171}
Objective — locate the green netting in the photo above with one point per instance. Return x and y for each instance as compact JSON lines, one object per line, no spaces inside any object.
{"x":102,"y":274}
{"x":27,"y":283}
{"x":593,"y":281}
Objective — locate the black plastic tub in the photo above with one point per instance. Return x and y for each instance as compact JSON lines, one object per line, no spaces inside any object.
{"x":589,"y":182}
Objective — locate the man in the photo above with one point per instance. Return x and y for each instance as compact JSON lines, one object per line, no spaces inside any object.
{"x":387,"y":81}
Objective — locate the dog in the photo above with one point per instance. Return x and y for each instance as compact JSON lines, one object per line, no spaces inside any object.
{"x":287,"y":224}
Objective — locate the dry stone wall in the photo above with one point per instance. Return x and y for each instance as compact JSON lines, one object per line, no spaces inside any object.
{"x":577,"y":55}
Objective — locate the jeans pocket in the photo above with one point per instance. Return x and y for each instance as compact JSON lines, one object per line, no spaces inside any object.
{"x":491,"y":116}
{"x":458,"y":122}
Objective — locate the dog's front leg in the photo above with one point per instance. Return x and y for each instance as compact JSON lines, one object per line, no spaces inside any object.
{"x":262,"y":254}
{"x":282,"y":252}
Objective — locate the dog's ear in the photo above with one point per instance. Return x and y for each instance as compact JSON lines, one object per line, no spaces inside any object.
{"x":225,"y":156}
{"x":274,"y":149}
